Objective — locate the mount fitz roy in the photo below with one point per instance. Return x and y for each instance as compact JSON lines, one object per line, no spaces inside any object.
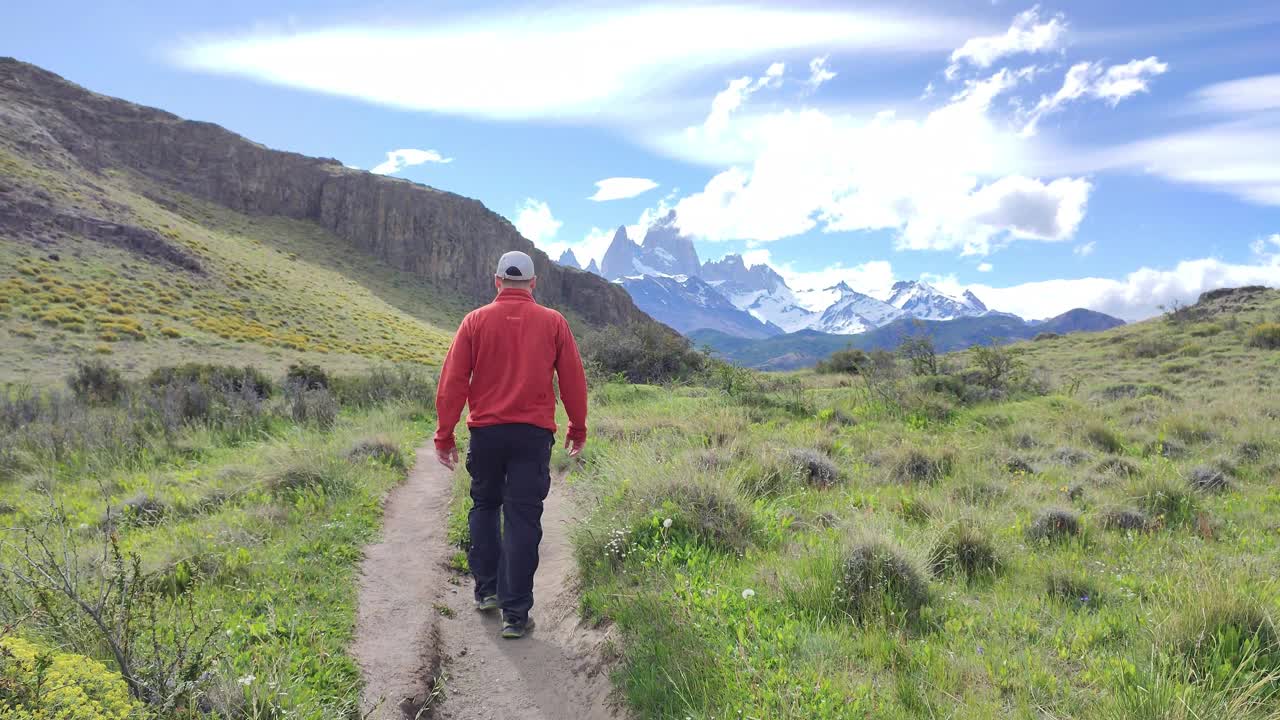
{"x":664,"y":276}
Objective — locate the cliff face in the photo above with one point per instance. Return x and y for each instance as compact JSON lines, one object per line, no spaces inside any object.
{"x":448,"y":239}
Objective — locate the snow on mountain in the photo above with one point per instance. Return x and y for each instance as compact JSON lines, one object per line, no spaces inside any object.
{"x":853,"y":312}
{"x":759,"y":290}
{"x":688,"y":303}
{"x":664,"y":251}
{"x":921,"y":300}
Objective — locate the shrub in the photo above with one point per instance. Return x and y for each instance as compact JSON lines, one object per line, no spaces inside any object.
{"x":1124,"y":518}
{"x":642,"y":353}
{"x":1122,"y":467}
{"x":315,"y":407}
{"x":312,"y":475}
{"x":848,"y":361}
{"x":920,"y":353}
{"x":914,"y":508}
{"x":1168,"y":502}
{"x":964,"y":547}
{"x":1054,"y":524}
{"x":704,"y":512}
{"x":815,"y":467}
{"x":308,"y":376}
{"x":878,"y":580}
{"x":995,"y":366}
{"x":96,"y":383}
{"x":382,"y":385}
{"x":1227,"y":634}
{"x":1046,"y":336}
{"x":221,"y":378}
{"x":1266,"y":336}
{"x":1019,"y":466}
{"x":1075,"y":589}
{"x":1104,"y":438}
{"x":144,"y":510}
{"x":1209,"y":479}
{"x":917,"y":465}
{"x":1147,"y":348}
{"x":37,"y":684}
{"x":380,"y":450}
{"x":1070,"y":456}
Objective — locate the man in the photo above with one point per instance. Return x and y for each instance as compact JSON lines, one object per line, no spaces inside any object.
{"x":500,"y":365}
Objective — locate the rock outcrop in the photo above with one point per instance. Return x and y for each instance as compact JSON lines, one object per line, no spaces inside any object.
{"x":450,"y":240}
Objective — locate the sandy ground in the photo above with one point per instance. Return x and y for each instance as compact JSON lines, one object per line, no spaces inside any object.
{"x":415,"y":623}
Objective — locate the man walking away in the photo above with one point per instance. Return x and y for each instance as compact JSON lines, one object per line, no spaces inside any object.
{"x":501,"y":365}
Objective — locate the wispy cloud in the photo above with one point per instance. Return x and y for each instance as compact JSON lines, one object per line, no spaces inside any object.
{"x":819,"y":73}
{"x":1252,"y":94}
{"x":619,"y":188}
{"x":1085,"y":249}
{"x":398,"y":160}
{"x":1027,"y":34}
{"x":1094,"y":80}
{"x":530,"y":65}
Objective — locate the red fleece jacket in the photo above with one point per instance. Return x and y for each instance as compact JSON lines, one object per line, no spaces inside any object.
{"x":501,"y":363}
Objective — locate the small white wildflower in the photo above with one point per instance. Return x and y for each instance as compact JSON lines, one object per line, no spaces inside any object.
{"x":247,"y":680}
{"x":748,"y":594}
{"x":666,"y":523}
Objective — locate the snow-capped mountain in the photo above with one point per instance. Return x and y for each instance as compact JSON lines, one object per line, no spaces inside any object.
{"x":688,"y":303}
{"x":922,"y":300}
{"x":664,"y":252}
{"x":759,"y":290}
{"x":853,"y":312}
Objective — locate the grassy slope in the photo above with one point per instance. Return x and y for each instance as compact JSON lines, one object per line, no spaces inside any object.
{"x":1109,"y":623}
{"x":276,"y":291}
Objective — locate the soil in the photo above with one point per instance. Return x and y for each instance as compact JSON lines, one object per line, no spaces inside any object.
{"x":426,"y":653}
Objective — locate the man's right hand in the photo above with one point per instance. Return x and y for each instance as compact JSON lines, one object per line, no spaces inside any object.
{"x":448,"y":458}
{"x":574,"y":446}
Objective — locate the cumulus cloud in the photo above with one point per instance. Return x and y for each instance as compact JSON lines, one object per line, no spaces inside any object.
{"x":529,"y":64}
{"x":1137,"y":296}
{"x":1093,"y":80}
{"x":819,"y":73}
{"x":1027,"y":34}
{"x":619,"y":188}
{"x":398,"y":160}
{"x":946,"y":181}
{"x":535,"y":221}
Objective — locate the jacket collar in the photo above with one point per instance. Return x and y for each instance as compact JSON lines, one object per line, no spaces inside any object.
{"x":514,"y":295}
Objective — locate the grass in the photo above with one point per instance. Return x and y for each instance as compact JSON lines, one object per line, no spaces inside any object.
{"x":1107,"y":548}
{"x":254,"y":523}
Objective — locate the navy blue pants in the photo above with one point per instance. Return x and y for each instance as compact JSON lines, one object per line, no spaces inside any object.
{"x":510,"y":477}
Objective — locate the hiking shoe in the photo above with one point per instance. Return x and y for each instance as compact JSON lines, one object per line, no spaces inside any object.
{"x":514,"y":629}
{"x":487,"y":604}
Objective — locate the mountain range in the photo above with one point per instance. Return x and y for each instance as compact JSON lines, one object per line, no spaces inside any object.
{"x":665,"y":278}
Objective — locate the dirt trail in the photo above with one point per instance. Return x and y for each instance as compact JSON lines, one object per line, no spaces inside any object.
{"x":403,"y":639}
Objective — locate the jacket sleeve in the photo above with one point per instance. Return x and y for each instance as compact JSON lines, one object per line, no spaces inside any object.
{"x":573,"y":383}
{"x":454,"y":387}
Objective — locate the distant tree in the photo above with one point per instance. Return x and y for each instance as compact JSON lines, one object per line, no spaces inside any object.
{"x":919,"y":351}
{"x":849,"y":361}
{"x":995,"y":364}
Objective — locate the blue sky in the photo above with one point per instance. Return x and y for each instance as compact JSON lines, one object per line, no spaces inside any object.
{"x":1110,"y":155}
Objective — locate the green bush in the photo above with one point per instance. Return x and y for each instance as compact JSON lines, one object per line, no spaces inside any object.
{"x":96,"y":383}
{"x":308,"y":376}
{"x":1265,"y":335}
{"x":1054,"y":524}
{"x":878,"y":580}
{"x":641,"y":353}
{"x":849,"y":361}
{"x":966,"y":548}
{"x":214,"y":377}
{"x":37,"y":684}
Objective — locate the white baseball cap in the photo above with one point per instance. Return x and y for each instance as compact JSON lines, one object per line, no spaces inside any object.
{"x":515,"y":265}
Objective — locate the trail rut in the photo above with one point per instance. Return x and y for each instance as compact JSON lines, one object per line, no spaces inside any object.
{"x":415,"y":622}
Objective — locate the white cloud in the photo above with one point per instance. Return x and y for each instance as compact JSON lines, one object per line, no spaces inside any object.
{"x":724,"y":103}
{"x":1091,"y":79}
{"x":874,"y":278}
{"x":530,"y":64}
{"x":535,"y":221}
{"x":1137,"y":296}
{"x":985,"y":267}
{"x":1241,"y":96}
{"x":1027,"y":34}
{"x":772,"y":77}
{"x":1266,"y":247}
{"x":398,"y":160}
{"x":1085,"y":249}
{"x":619,"y":188}
{"x":819,"y":73}
{"x":947,"y":181}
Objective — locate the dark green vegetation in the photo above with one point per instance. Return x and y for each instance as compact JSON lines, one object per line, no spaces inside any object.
{"x":1085,"y":526}
{"x":807,"y":347}
{"x":184,"y":545}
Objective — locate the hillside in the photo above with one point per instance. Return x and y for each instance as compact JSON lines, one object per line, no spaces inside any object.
{"x":1090,"y":532}
{"x":126,"y":231}
{"x":805,"y":348}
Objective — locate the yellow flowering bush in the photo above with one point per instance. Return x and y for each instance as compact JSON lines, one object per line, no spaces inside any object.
{"x":46,"y":685}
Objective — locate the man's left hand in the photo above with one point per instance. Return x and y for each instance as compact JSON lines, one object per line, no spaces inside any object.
{"x":448,"y":458}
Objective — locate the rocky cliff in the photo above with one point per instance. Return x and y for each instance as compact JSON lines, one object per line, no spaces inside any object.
{"x":450,"y":240}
